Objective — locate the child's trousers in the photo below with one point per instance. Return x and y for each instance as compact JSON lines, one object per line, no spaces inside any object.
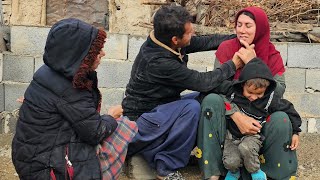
{"x":277,"y":160}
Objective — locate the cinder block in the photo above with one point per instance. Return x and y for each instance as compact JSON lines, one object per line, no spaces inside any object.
{"x":138,"y":168}
{"x":197,"y":67}
{"x":18,"y":68}
{"x":111,"y":97}
{"x":295,"y":80}
{"x":28,"y":40}
{"x":1,"y":67}
{"x":313,"y":79}
{"x":9,"y":121}
{"x":312,"y":125}
{"x":304,"y":126}
{"x":116,"y":46}
{"x":2,"y":97}
{"x":283,"y":49}
{"x":114,"y":73}
{"x":205,"y":58}
{"x":38,"y":62}
{"x":306,"y":104}
{"x":317,"y":124}
{"x":135,"y":42}
{"x":12,"y":92}
{"x":303,"y":55}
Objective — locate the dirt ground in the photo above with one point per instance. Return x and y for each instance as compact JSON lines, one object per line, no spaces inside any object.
{"x":309,"y":161}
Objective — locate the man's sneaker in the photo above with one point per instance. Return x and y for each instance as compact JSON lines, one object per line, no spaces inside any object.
{"x":174,"y":176}
{"x":232,"y":176}
{"x":259,"y":175}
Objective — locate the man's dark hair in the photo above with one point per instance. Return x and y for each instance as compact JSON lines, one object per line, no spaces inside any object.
{"x":169,"y":21}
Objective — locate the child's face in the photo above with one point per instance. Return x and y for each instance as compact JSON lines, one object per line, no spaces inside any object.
{"x":252,"y":92}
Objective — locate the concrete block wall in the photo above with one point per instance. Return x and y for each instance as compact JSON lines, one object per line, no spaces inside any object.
{"x":27,"y":43}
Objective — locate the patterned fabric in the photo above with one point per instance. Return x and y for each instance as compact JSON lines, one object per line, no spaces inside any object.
{"x":112,"y":151}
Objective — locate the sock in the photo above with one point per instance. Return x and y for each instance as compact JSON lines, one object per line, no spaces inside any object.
{"x":259,"y":175}
{"x":232,"y":175}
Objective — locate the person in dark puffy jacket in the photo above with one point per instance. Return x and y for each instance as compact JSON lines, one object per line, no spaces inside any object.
{"x":59,"y":126}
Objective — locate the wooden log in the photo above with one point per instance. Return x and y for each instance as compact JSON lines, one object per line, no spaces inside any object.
{"x":284,"y":36}
{"x":150,"y":2}
{"x":291,"y":27}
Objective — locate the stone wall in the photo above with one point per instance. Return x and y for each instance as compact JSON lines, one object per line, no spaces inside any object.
{"x":27,"y":44}
{"x":25,"y":25}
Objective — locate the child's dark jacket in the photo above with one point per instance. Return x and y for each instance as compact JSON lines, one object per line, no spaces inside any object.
{"x":261,"y":108}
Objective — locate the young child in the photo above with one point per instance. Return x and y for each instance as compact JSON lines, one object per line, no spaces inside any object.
{"x":254,"y":95}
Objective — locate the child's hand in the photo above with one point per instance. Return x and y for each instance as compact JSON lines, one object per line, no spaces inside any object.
{"x":294,"y":142}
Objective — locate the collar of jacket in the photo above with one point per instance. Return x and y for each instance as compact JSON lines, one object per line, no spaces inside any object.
{"x":155,"y":40}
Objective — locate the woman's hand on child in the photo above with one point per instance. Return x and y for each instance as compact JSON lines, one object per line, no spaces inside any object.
{"x":246,"y":124}
{"x":115,"y":111}
{"x":294,"y":142}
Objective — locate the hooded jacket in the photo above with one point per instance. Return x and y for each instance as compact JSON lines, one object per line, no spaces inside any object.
{"x":58,"y":122}
{"x":261,"y":108}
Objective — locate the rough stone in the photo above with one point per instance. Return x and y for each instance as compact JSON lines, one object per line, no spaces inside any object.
{"x":111,"y":97}
{"x":312,"y":122}
{"x":12,"y":92}
{"x":306,"y":104}
{"x":116,"y":46}
{"x":125,"y":17}
{"x":295,"y":80}
{"x":303,"y":55}
{"x":18,"y":68}
{"x":8,"y":121}
{"x":28,"y":40}
{"x":205,"y":58}
{"x":304,"y":126}
{"x":28,"y":12}
{"x":135,"y":42}
{"x":197,"y":67}
{"x":114,"y":73}
{"x":312,"y":79}
{"x":38,"y":62}
{"x":2,"y":95}
{"x":1,"y":67}
{"x":138,"y":168}
{"x":91,"y":11}
{"x":283,"y":49}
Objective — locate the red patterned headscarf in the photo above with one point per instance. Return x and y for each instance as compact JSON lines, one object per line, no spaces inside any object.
{"x":265,"y":50}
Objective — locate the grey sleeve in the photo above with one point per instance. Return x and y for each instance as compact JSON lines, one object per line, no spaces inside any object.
{"x":281,"y":85}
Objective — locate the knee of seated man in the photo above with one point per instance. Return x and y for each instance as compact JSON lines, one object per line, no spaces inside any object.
{"x":192,"y":106}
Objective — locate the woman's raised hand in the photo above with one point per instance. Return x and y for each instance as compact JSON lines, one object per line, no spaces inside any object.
{"x":247,"y":52}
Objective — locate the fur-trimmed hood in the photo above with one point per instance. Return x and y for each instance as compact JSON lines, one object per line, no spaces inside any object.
{"x":67,"y":45}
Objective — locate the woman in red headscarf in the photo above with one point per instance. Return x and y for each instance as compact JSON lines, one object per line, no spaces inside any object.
{"x":278,"y":161}
{"x":252,"y":26}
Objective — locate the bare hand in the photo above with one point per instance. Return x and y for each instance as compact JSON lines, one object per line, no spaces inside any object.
{"x":246,"y":124}
{"x":247,"y":52}
{"x":294,"y":142}
{"x":115,"y":111}
{"x":20,"y":99}
{"x":237,"y":61}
